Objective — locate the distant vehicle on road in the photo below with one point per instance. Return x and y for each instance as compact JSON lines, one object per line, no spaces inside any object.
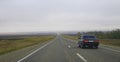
{"x":88,"y":41}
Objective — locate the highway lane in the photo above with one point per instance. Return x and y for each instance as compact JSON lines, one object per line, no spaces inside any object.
{"x":57,"y":51}
{"x":63,"y":50}
{"x":97,"y":55}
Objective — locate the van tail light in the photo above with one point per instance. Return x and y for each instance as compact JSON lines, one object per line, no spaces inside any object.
{"x":96,"y":40}
{"x":86,"y":41}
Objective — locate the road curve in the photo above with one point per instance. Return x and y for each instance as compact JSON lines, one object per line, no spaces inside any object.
{"x":63,"y":50}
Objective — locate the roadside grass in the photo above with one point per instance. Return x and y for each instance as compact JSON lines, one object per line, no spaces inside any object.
{"x":70,"y":37}
{"x":112,"y":42}
{"x":15,"y":44}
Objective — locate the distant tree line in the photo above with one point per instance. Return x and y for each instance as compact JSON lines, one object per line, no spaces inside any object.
{"x":114,"y":34}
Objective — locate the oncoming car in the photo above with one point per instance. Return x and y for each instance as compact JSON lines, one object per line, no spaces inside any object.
{"x":88,"y":41}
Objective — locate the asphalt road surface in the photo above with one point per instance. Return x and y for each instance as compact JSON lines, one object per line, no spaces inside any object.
{"x":63,"y":50}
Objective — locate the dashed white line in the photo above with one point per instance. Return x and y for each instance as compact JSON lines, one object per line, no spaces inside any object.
{"x":81,"y":57}
{"x":69,"y":46}
{"x":34,"y":52}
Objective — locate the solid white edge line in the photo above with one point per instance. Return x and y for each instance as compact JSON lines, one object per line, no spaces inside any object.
{"x":81,"y":57}
{"x":34,"y":52}
{"x":111,"y":49}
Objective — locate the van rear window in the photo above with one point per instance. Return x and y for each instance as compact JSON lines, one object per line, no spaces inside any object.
{"x":89,"y":37}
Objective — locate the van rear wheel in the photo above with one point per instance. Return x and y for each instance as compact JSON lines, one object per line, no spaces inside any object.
{"x":79,"y":46}
{"x":96,"y":47}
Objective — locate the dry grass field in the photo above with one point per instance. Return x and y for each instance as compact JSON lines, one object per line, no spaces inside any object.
{"x":15,"y":44}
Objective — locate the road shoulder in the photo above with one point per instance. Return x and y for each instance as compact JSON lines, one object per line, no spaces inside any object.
{"x":114,"y":48}
{"x":16,"y":55}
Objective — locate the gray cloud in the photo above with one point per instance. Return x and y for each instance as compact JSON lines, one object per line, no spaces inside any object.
{"x":55,"y":15}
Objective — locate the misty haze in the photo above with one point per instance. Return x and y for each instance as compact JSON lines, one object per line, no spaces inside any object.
{"x":59,"y":31}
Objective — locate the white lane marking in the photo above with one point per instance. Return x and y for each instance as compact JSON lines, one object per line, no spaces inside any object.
{"x":111,"y":49}
{"x":81,"y":57}
{"x":34,"y":52}
{"x":69,"y":46}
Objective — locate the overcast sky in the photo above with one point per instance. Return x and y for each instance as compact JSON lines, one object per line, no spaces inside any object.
{"x":58,"y":15}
